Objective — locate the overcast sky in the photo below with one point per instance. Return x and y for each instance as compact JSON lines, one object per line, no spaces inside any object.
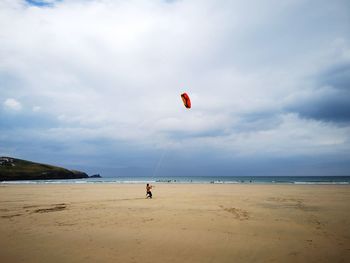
{"x":95,"y":86}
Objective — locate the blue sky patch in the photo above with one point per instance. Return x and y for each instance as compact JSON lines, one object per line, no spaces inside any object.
{"x":40,"y":3}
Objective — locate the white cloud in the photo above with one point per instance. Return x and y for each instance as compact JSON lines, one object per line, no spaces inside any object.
{"x":36,"y":108}
{"x":12,"y":104}
{"x":116,"y":69}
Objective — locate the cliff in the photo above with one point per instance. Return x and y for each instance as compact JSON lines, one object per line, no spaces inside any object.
{"x":17,"y":169}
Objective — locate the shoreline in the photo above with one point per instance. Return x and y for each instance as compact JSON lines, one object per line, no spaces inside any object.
{"x":267,"y":180}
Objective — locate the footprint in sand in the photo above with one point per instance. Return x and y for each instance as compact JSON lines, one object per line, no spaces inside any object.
{"x":54,"y":208}
{"x":10,"y":216}
{"x":295,"y":203}
{"x":314,"y":221}
{"x":145,"y":220}
{"x":239,"y":214}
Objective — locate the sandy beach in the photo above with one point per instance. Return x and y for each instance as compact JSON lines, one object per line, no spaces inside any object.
{"x":182,"y":223}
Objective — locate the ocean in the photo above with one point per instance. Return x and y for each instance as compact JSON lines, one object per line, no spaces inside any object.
{"x":327,"y":180}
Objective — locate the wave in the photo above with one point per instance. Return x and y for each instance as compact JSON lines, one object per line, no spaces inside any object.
{"x":321,"y":183}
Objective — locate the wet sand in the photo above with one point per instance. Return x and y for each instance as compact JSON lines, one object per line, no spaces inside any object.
{"x":182,"y":223}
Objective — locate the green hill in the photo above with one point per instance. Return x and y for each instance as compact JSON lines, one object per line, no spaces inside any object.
{"x":17,"y":169}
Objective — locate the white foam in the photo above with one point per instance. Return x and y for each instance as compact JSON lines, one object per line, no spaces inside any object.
{"x":321,"y":183}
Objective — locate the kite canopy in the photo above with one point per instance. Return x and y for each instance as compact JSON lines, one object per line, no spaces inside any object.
{"x":186,"y":100}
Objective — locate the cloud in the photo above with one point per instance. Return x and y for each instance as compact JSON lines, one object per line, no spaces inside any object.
{"x":12,"y":104}
{"x":36,"y":108}
{"x":265,"y":82}
{"x":42,"y":3}
{"x":327,"y":97}
{"x":325,"y":104}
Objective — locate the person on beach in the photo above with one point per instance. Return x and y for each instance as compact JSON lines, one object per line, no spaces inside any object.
{"x":148,"y":191}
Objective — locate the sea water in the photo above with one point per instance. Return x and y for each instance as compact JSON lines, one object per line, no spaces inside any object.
{"x":195,"y":180}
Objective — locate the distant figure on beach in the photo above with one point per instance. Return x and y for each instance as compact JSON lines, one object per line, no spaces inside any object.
{"x":148,"y":191}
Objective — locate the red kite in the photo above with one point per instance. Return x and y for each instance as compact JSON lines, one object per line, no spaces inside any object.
{"x":186,"y":100}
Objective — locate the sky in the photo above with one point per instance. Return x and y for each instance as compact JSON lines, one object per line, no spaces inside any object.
{"x":95,"y":85}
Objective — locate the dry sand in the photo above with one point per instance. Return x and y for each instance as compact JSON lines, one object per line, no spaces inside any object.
{"x":183,"y":223}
